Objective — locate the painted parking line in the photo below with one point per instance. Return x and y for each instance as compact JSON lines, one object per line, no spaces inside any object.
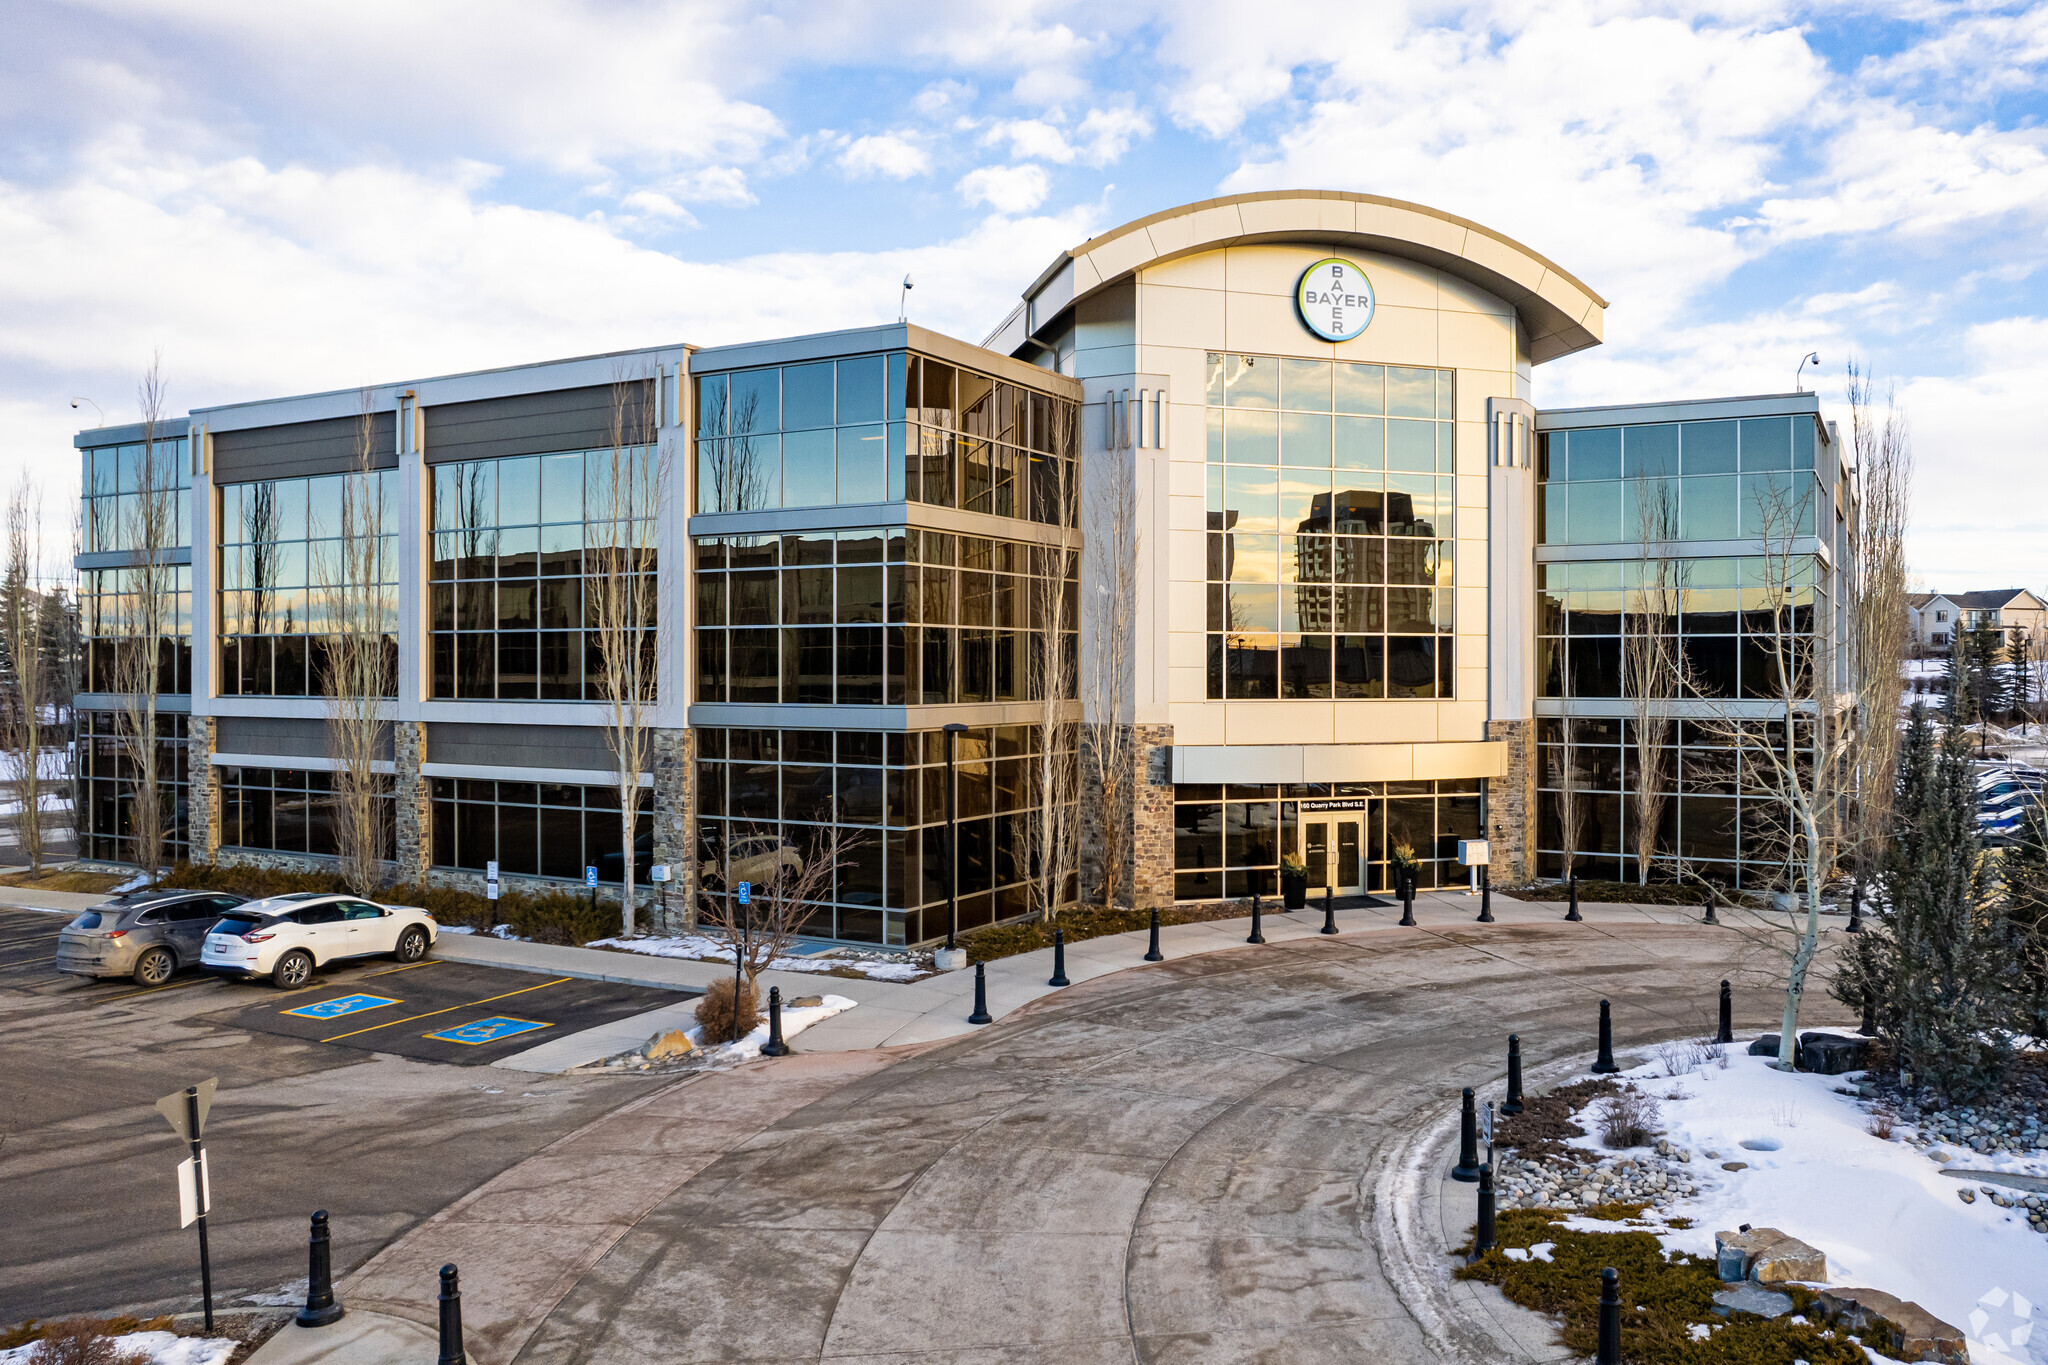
{"x":408,"y":967}
{"x":341,"y":1006}
{"x":158,"y":990}
{"x":467,"y":1004}
{"x":486,"y":1030}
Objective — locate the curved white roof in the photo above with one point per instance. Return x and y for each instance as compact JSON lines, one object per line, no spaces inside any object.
{"x":1560,"y":314}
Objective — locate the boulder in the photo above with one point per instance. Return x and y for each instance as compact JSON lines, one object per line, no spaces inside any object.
{"x":1831,"y":1054}
{"x":1749,"y":1298}
{"x":1907,"y":1331}
{"x":804,"y":1002}
{"x":1764,"y":1046}
{"x":664,"y":1046}
{"x":1767,"y":1256}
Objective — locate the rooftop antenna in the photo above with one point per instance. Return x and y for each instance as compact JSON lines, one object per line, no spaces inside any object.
{"x":1810,"y":358}
{"x":903,"y":300}
{"x":95,"y":407}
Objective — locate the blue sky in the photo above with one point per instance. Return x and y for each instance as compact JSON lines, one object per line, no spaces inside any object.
{"x":316,"y":196}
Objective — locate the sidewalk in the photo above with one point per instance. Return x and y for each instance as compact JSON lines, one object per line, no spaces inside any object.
{"x":61,"y":902}
{"x":894,"y":1013}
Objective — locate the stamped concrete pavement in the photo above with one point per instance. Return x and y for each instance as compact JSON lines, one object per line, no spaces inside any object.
{"x":1178,"y":1163}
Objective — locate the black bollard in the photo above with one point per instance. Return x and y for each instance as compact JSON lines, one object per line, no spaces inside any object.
{"x":1708,"y":918}
{"x":1482,"y":1236}
{"x":775,"y":1047}
{"x":1573,"y":914}
{"x":1855,"y":907}
{"x":1256,"y":937}
{"x":1467,"y":1168}
{"x":1727,"y":1030}
{"x":1329,"y":911}
{"x":1059,"y":959}
{"x":1152,"y":953}
{"x":1605,"y":1065}
{"x":1407,"y":903}
{"x":1485,"y":897}
{"x":321,"y":1305}
{"x":1513,"y":1103}
{"x":980,"y":1015}
{"x":451,"y":1320}
{"x":1610,"y":1318}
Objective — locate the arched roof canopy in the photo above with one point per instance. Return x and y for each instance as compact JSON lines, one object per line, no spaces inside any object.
{"x":1559,"y":313}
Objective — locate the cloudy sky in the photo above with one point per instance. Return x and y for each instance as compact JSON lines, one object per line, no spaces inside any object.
{"x":313,"y":196}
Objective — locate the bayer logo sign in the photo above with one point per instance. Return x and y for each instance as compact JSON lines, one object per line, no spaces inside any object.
{"x":1335,"y":299}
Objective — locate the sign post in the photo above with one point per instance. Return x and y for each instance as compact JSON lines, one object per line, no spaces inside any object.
{"x":590,"y":880}
{"x":186,"y":1111}
{"x":658,"y":874}
{"x":1474,"y":854}
{"x":491,"y":888}
{"x":743,"y":896}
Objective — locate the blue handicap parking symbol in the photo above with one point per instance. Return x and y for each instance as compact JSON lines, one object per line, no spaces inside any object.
{"x":487,"y":1030}
{"x":341,"y":1005}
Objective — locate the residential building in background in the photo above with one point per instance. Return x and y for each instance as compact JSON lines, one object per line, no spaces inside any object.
{"x":1935,"y":619}
{"x":1371,"y":577}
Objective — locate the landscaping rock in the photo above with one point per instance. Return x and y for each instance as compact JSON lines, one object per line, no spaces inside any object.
{"x":1765,"y":1046}
{"x":1735,"y":1165}
{"x":1831,"y":1054}
{"x":1967,"y":1196}
{"x":1768,"y":1256}
{"x":1908,"y":1331}
{"x":804,"y":1002}
{"x":1736,"y":1251}
{"x":1749,"y":1298}
{"x":664,"y":1046}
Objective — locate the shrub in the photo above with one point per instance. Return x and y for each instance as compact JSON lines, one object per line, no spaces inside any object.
{"x":1628,"y":1119}
{"x":544,"y":916}
{"x":715,"y":1012}
{"x":85,"y":1341}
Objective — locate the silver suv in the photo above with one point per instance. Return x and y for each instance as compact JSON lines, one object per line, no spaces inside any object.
{"x":146,"y":935}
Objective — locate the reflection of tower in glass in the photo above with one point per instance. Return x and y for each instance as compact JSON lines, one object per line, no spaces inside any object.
{"x":1222,"y":548}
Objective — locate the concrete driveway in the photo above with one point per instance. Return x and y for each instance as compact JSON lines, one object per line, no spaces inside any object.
{"x":1171,"y":1164}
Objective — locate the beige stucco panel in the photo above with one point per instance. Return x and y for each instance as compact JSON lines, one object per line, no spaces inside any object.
{"x":1202,"y":270}
{"x":1359,"y":763}
{"x":1398,"y":336}
{"x":1220,"y":223}
{"x":1385,"y":722}
{"x":1119,"y":254}
{"x":1461,"y":295}
{"x":1194,"y":721}
{"x":1386,"y":220}
{"x":1480,"y":341}
{"x":1185,"y":649}
{"x":1278,"y":722}
{"x":1462,"y":720}
{"x":1266,"y":324}
{"x":1168,"y":314}
{"x":1169,"y":235}
{"x":1477,"y":759}
{"x":1497,"y":255}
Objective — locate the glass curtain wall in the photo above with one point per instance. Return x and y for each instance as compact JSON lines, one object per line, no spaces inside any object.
{"x":763,"y":795}
{"x":882,"y":428}
{"x":288,"y":810}
{"x":282,"y":561}
{"x":1738,"y":478}
{"x":516,"y":543}
{"x":1330,"y":514}
{"x":111,"y":477}
{"x":883,"y":616}
{"x":106,"y":613}
{"x":107,"y":790}
{"x":536,"y":829}
{"x":1228,"y":840}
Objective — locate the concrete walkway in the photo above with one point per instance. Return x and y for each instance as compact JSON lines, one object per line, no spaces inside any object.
{"x":1184,"y":1162}
{"x":892,"y":1013}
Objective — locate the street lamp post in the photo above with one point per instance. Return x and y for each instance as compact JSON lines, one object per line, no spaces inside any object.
{"x":952,"y":957}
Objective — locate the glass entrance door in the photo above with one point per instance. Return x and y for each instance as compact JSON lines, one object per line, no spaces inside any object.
{"x":1333,"y":847}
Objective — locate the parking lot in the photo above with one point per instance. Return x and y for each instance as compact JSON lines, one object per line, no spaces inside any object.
{"x":363,"y":1094}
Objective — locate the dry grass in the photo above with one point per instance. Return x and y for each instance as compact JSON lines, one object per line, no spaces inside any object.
{"x":715,"y":1013}
{"x":68,"y":879}
{"x":1628,"y":1119}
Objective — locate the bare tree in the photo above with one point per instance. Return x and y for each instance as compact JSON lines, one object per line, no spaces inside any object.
{"x":782,"y":902}
{"x":1798,"y":753}
{"x":1110,"y":620}
{"x":65,"y":653}
{"x":149,"y":531}
{"x":1651,"y":659}
{"x":1877,"y":588}
{"x":1571,"y":796}
{"x":359,"y":676}
{"x":24,"y":632}
{"x":735,"y":463}
{"x":1051,"y":835}
{"x":627,"y":491}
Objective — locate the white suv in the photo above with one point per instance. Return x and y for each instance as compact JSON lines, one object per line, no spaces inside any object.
{"x":286,"y":937}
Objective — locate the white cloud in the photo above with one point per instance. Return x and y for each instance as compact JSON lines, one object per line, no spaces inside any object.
{"x":1006,"y":189}
{"x":943,"y":97}
{"x":884,"y":154}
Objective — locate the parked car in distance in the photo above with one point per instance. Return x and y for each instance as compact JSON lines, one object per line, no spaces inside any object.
{"x":754,"y":860}
{"x":146,"y":935}
{"x":286,"y":937}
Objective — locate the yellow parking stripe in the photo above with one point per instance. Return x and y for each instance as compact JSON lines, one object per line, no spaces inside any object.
{"x":430,"y":962}
{"x":467,"y":1004}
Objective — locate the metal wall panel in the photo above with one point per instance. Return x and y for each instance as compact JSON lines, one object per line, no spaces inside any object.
{"x":529,"y":423}
{"x":518,"y":746}
{"x":299,"y":450}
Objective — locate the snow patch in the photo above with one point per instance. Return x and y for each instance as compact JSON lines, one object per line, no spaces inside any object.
{"x":702,"y":948}
{"x":161,"y":1348}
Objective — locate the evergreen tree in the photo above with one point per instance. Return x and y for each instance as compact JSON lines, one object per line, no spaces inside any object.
{"x":1946,"y":962}
{"x":1960,"y":682}
{"x":2024,"y":873}
{"x":1987,"y":672}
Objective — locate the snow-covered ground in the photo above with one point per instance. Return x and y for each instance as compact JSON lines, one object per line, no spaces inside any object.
{"x":795,"y":1019}
{"x":701,"y":948}
{"x":1882,"y":1211}
{"x":159,"y":1348}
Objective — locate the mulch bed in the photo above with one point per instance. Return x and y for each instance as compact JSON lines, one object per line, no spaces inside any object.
{"x":1078,"y":923}
{"x":1545,"y":1125}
